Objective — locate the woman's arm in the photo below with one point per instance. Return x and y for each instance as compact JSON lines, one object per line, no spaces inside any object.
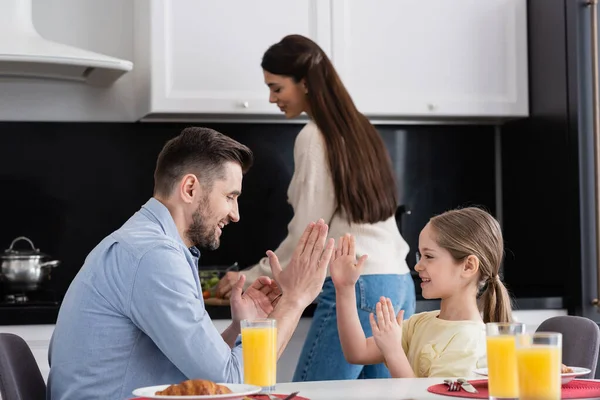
{"x":311,"y":194}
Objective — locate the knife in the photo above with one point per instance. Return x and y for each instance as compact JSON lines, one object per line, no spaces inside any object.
{"x":466,"y":385}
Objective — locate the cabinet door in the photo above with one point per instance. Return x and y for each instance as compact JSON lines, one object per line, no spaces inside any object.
{"x":433,"y":58}
{"x":206,"y":55}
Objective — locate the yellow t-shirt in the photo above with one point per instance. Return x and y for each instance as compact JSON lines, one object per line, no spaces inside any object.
{"x":440,"y":348}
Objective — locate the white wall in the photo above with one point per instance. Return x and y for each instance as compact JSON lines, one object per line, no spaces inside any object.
{"x":533,"y":318}
{"x":101,"y":26}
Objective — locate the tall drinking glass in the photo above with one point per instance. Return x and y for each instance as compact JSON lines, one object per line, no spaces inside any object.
{"x":502,"y":361}
{"x":259,"y":350}
{"x":539,"y":358}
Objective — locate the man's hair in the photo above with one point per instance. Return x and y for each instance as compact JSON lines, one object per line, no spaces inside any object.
{"x":200,"y":151}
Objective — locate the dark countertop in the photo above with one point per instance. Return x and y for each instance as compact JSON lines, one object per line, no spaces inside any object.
{"x":39,"y":315}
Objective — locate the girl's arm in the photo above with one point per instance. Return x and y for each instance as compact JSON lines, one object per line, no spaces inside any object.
{"x":357,"y":348}
{"x":345,"y":271}
{"x":387,"y":332}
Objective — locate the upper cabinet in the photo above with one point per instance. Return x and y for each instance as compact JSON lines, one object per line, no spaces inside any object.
{"x":399,"y":59}
{"x":434,"y":58}
{"x":203,"y":57}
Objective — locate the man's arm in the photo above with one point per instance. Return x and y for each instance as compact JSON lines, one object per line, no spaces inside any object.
{"x":287,"y":314}
{"x":230,"y":334}
{"x":301,"y":281}
{"x":309,"y":203}
{"x":165,"y":306}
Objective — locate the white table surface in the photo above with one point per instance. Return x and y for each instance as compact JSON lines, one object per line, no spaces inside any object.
{"x":366,"y":389}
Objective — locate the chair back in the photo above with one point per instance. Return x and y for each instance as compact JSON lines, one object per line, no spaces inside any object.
{"x":20,"y":377}
{"x":580,"y":340}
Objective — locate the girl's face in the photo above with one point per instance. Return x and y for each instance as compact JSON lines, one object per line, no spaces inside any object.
{"x":441,"y":275}
{"x":289,"y":96}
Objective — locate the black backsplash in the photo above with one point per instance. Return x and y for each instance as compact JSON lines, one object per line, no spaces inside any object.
{"x":67,"y":185}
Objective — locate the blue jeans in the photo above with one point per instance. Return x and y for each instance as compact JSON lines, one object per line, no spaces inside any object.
{"x":322,"y":358}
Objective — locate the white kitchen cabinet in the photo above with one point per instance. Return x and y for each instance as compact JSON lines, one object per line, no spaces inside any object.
{"x":203,"y":57}
{"x":435,"y":58}
{"x":400,"y":59}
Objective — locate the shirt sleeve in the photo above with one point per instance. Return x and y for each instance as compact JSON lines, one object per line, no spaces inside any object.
{"x":311,"y":195}
{"x":407,"y":333}
{"x":166,"y":306}
{"x":456,"y":359}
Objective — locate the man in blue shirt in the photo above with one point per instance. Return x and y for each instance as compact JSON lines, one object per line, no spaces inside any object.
{"x":134,"y":315}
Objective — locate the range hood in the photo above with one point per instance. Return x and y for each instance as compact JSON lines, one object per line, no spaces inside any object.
{"x":24,"y":53}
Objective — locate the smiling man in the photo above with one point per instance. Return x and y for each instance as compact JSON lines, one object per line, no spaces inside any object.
{"x":134,"y":315}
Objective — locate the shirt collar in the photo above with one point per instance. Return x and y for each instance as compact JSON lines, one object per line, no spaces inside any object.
{"x":158,"y":212}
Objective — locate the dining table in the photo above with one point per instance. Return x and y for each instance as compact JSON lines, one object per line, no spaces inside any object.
{"x":368,"y":389}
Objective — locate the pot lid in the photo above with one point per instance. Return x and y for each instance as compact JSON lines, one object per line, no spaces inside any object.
{"x":11,"y":252}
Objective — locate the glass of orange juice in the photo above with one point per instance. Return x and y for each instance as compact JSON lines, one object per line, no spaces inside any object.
{"x":501,"y":359}
{"x":259,"y":351}
{"x":539,"y":358}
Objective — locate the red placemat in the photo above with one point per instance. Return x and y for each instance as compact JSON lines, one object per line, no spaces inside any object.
{"x":575,"y":389}
{"x":255,"y":396}
{"x":281,"y":396}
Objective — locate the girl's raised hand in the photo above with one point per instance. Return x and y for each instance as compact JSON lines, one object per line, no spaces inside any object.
{"x":387,"y":329}
{"x":344,"y":268}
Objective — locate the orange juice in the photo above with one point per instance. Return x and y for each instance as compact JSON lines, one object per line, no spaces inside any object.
{"x":502,"y":367}
{"x":539,"y":372}
{"x":259,"y":350}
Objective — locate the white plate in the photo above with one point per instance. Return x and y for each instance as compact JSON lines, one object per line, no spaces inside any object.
{"x":239,"y":392}
{"x":565,"y":378}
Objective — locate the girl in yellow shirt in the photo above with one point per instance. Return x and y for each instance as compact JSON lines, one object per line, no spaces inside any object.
{"x":461,"y":251}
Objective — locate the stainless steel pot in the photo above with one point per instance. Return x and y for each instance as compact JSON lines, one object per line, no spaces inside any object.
{"x":25,"y":270}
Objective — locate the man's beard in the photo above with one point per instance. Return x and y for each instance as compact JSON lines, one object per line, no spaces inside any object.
{"x":200,"y":234}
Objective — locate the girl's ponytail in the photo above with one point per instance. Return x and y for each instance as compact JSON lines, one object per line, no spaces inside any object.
{"x":496,"y":301}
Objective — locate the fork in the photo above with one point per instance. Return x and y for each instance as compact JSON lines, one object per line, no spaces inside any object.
{"x":452,"y":385}
{"x":289,"y":397}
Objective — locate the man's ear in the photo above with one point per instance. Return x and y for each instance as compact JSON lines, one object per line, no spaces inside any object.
{"x":189,"y":188}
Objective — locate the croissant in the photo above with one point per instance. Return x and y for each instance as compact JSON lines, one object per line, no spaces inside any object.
{"x":196,"y":387}
{"x":565,"y":370}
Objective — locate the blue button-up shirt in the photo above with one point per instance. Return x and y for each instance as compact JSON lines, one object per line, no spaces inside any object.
{"x":134,"y":316}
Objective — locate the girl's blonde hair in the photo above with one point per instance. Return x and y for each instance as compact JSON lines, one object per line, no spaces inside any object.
{"x":472,"y":231}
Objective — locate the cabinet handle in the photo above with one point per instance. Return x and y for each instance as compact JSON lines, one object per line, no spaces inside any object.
{"x":245,"y":104}
{"x":431,"y":106}
{"x":593,"y":6}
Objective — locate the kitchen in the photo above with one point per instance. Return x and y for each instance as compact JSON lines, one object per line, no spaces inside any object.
{"x":474,"y":101}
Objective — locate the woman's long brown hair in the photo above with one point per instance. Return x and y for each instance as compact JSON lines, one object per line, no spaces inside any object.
{"x":360,"y":164}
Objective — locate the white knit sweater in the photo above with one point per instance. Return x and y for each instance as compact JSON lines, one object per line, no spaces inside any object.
{"x":312,"y":196}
